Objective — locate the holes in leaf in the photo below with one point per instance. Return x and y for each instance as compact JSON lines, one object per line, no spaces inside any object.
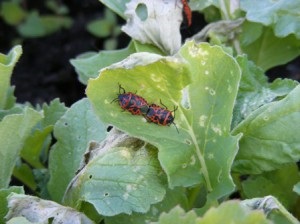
{"x":141,"y":11}
{"x":108,"y":129}
{"x":106,"y":194}
{"x":91,"y":176}
{"x":66,"y":124}
{"x":187,"y":141}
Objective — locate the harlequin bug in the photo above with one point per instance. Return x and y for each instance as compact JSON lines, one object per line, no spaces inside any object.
{"x":131,"y":102}
{"x":187,"y":12}
{"x":160,"y":115}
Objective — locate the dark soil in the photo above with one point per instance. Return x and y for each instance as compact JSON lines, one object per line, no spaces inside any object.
{"x":44,"y":72}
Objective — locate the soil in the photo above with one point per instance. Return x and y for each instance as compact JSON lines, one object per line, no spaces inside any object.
{"x":44,"y":72}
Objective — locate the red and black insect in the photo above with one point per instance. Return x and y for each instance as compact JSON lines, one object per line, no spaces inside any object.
{"x":160,"y":115}
{"x":131,"y":102}
{"x":187,"y":12}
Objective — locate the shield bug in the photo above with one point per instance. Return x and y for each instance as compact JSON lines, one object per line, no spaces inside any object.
{"x":161,"y":116}
{"x":131,"y":102}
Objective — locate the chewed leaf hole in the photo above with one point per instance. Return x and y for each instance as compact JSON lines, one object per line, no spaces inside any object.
{"x":141,"y":11}
{"x":106,"y":194}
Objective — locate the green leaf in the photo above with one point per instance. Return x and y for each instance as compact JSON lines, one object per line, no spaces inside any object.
{"x":173,"y":197}
{"x":14,"y":130}
{"x":36,"y":210}
{"x":264,"y":51}
{"x":275,"y":183}
{"x":178,"y":215}
{"x":3,"y":201}
{"x":256,"y":91}
{"x":203,"y":149}
{"x":7,"y":64}
{"x":155,"y":22}
{"x":39,"y":26}
{"x":118,"y":6}
{"x":227,"y":212}
{"x":282,"y":15}
{"x":88,"y":65}
{"x":12,"y":13}
{"x":73,"y":131}
{"x":100,"y":28}
{"x":122,"y":178}
{"x":34,"y":146}
{"x":270,"y":136}
{"x":53,"y":112}
{"x":23,"y":173}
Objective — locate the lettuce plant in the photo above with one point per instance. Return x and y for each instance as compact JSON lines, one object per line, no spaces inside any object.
{"x":233,"y":159}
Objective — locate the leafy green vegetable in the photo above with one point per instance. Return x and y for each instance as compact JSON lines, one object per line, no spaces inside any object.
{"x":264,"y":50}
{"x":172,"y":199}
{"x":38,"y":26}
{"x":282,"y":15}
{"x":14,"y":130}
{"x":73,"y":132}
{"x":123,"y":177}
{"x":276,"y":183}
{"x":227,"y":212}
{"x":7,"y":63}
{"x":256,"y":91}
{"x":203,"y":122}
{"x":270,"y":136}
{"x":12,"y":13}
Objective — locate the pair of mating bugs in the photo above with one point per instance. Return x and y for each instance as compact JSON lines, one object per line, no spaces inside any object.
{"x":137,"y":105}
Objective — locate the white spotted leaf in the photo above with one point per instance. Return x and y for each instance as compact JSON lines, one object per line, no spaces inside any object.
{"x":119,"y":180}
{"x":202,"y":80}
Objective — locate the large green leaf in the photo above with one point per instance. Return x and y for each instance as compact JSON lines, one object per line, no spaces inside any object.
{"x":89,"y":64}
{"x":14,"y":129}
{"x":7,"y":64}
{"x":282,"y":15}
{"x":256,"y":91}
{"x":264,"y":50}
{"x":202,"y":81}
{"x":73,"y":132}
{"x":123,"y":177}
{"x":270,"y":136}
{"x":173,"y":198}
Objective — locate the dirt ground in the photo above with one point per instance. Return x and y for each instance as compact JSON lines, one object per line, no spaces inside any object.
{"x":44,"y":72}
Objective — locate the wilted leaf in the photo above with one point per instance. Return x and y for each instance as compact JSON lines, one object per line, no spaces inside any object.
{"x":155,"y":22}
{"x":37,"y":210}
{"x":204,"y":92}
{"x":3,"y":201}
{"x":73,"y":131}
